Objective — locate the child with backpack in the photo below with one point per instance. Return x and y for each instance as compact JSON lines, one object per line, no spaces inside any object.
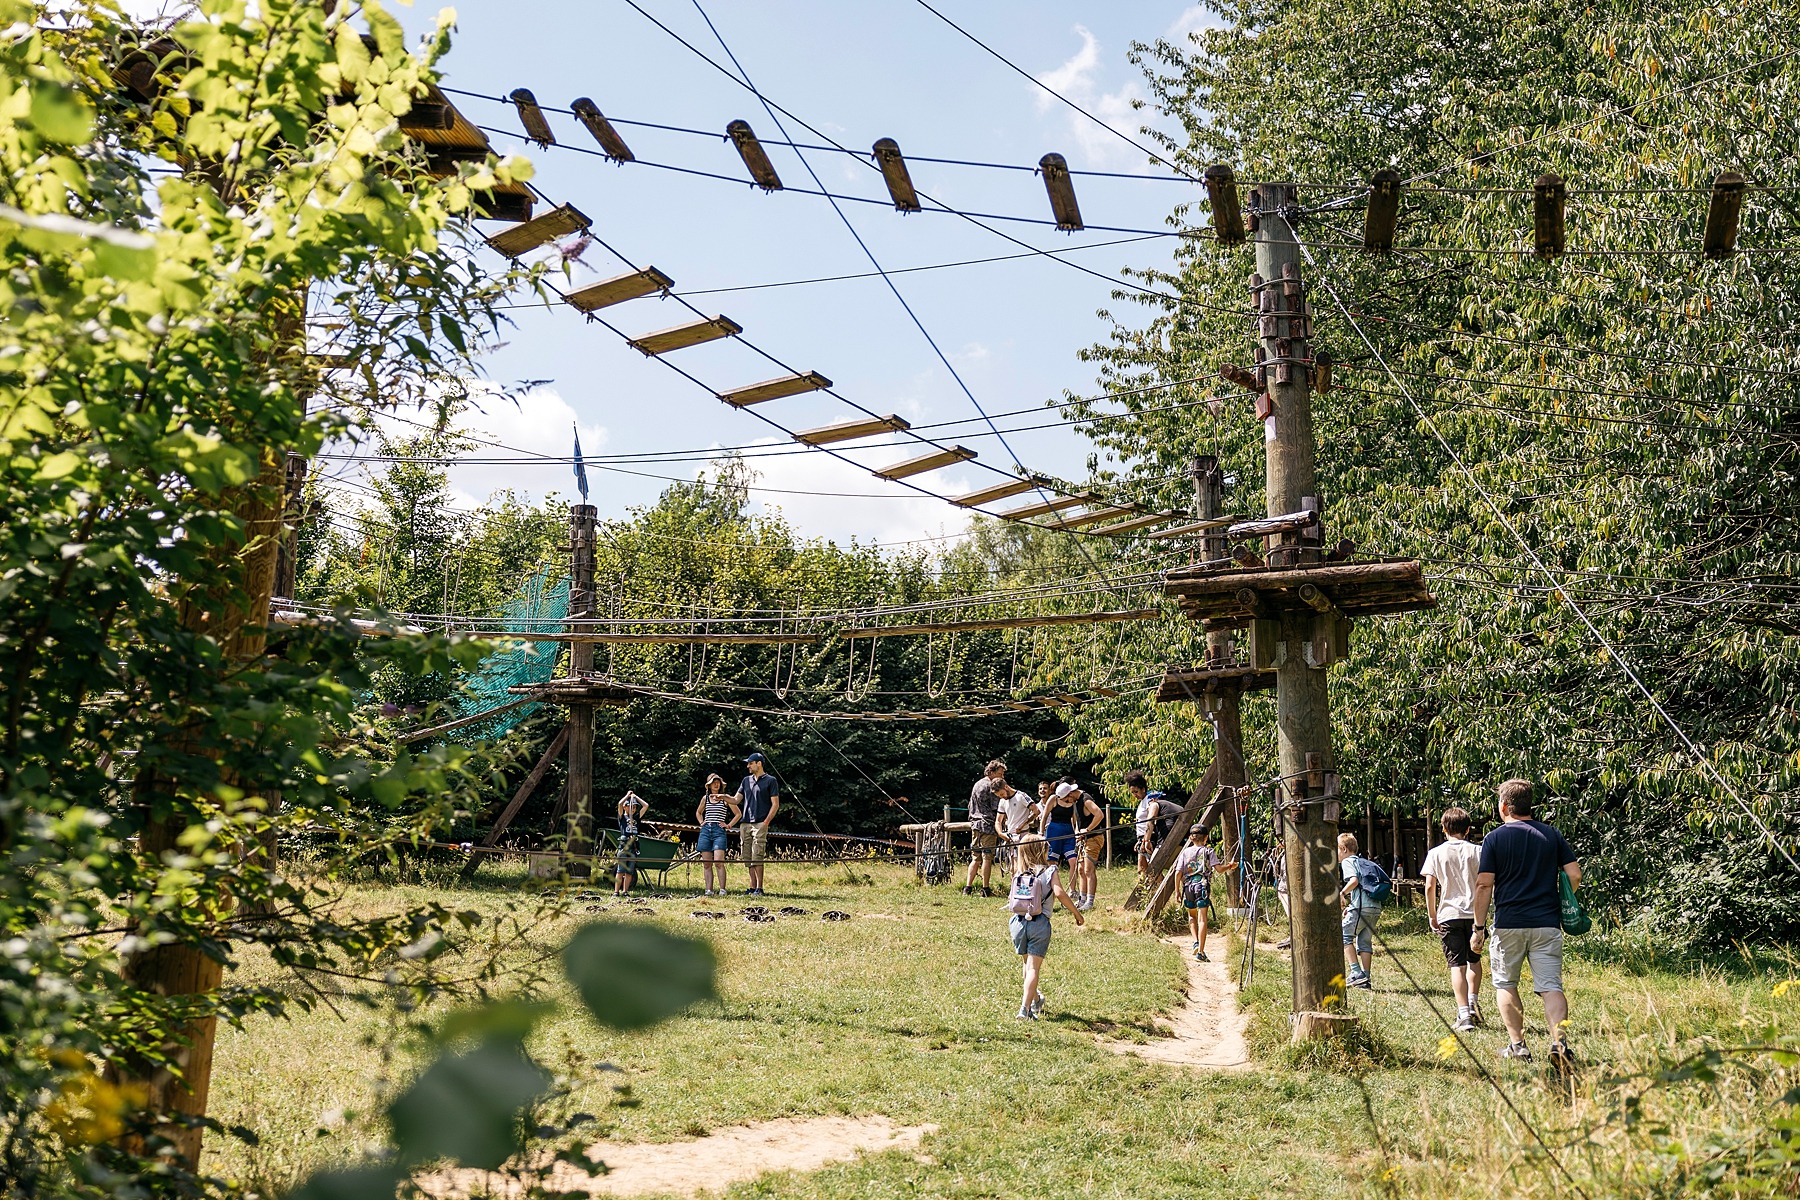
{"x":1366,"y":888}
{"x":1032,"y":890}
{"x":1195,"y":867}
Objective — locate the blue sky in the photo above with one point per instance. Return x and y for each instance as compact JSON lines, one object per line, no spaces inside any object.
{"x":858,"y":72}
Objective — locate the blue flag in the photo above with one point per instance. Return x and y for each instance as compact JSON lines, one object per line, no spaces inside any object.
{"x":580,"y":467}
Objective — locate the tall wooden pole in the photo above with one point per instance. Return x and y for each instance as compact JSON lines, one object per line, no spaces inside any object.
{"x":1221,"y":651}
{"x":1302,"y":702}
{"x":580,"y":840}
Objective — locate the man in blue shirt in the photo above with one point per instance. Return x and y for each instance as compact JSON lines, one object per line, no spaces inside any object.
{"x":760,"y":797}
{"x":1517,"y":879}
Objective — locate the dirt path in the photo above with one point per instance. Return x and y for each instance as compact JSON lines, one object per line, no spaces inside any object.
{"x":712,"y":1163}
{"x":1208,"y":1031}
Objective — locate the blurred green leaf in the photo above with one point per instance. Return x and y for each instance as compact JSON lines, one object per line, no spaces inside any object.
{"x":630,"y":976}
{"x":465,"y":1107}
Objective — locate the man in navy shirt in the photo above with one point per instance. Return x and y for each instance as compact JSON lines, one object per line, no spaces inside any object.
{"x":760,"y":797}
{"x":1517,"y":879}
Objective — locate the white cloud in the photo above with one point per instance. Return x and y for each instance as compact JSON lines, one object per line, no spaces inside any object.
{"x":858,"y":505}
{"x":1192,"y":20}
{"x":1078,"y":80}
{"x":541,"y":422}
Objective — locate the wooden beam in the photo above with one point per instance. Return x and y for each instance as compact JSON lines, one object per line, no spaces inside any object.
{"x":499,"y":205}
{"x":846,"y":431}
{"x":424,"y":114}
{"x":492,"y":837}
{"x":1176,"y":583}
{"x":1095,"y":516}
{"x":522,"y":239}
{"x":893,"y":170}
{"x":775,"y":389}
{"x":620,"y":288}
{"x":611,"y":144}
{"x":660,"y":639}
{"x":999,"y":491}
{"x":680,"y":337}
{"x":1227,"y":213}
{"x":1042,"y":508}
{"x":926,"y":462}
{"x":1088,"y":618}
{"x":1266,"y":526}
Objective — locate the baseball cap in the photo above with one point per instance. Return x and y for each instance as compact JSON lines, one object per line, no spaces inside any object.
{"x":755,"y":756}
{"x":1153,"y":795}
{"x":1064,"y":789}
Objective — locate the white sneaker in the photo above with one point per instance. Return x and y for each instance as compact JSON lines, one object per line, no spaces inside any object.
{"x":1463,"y":1022}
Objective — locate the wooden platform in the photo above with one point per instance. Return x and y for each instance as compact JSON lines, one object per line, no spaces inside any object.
{"x":588,"y":690}
{"x":1229,"y":597}
{"x":1194,"y":682}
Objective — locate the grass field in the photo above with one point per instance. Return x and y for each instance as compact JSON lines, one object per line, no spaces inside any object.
{"x":907,"y":1011}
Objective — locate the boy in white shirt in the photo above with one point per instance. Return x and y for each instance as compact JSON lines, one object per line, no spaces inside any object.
{"x":1195,"y":867}
{"x":1450,"y":870}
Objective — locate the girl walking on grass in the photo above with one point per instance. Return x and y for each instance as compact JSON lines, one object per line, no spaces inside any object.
{"x":715,"y":813}
{"x":1033,"y":888}
{"x":1195,"y":867}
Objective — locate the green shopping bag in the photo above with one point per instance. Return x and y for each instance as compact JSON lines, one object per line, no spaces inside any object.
{"x":1574,"y":918}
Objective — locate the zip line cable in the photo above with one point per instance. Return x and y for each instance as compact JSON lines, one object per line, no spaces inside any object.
{"x":1506,"y":522}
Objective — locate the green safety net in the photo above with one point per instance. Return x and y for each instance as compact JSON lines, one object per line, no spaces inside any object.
{"x":539,"y":607}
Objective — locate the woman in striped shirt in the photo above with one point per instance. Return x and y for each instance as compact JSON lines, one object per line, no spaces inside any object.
{"x":716,"y":812}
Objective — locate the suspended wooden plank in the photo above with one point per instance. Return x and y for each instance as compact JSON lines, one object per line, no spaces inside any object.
{"x":1124,"y":527}
{"x":999,"y":491}
{"x":679,"y":337}
{"x":426,"y":115}
{"x":775,"y":389}
{"x":1227,"y":214}
{"x":1383,"y":213}
{"x":845,"y":431}
{"x":522,"y":239}
{"x":756,"y":159}
{"x":1040,"y":509}
{"x":611,"y":144}
{"x":1096,"y":516}
{"x":620,"y":288}
{"x":1061,"y":188}
{"x":1195,"y":527}
{"x":1548,"y":196}
{"x":927,"y":462}
{"x":1087,"y":618}
{"x":1722,"y":214}
{"x":893,"y":170}
{"x":537,"y":126}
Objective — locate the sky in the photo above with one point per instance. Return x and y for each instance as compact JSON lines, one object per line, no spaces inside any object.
{"x":857,"y":72}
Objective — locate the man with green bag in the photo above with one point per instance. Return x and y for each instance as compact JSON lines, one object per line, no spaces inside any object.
{"x":1525,"y":867}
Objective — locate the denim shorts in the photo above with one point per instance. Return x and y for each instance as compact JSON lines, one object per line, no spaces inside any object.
{"x":1359,"y":929}
{"x":1031,"y":935}
{"x":712,"y":837}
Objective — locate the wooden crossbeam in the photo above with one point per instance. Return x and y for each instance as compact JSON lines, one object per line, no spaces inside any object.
{"x":927,"y":462}
{"x":845,"y":431}
{"x":1266,"y":526}
{"x":1087,"y":618}
{"x":588,"y":113}
{"x":680,"y":337}
{"x":524,"y":238}
{"x":775,"y":389}
{"x":620,"y":288}
{"x":1095,"y":516}
{"x":893,"y":170}
{"x":999,"y":491}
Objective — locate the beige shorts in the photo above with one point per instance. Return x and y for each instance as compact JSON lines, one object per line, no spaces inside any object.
{"x":755,"y":845}
{"x":980,"y":840}
{"x":1539,"y":947}
{"x":1093,"y":848}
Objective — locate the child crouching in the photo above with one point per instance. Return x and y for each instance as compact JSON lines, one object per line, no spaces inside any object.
{"x":1032,"y":889}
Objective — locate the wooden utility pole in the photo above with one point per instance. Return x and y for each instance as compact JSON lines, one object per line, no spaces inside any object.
{"x":579,"y":844}
{"x":1302,"y":700}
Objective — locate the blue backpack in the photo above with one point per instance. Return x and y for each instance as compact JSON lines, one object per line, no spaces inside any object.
{"x":1372,"y":881}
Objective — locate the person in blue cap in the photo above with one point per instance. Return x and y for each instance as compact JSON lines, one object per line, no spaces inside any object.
{"x":760,"y":797}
